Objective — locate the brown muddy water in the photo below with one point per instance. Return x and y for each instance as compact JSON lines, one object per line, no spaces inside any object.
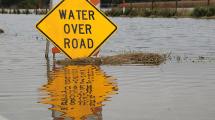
{"x":181,"y":89}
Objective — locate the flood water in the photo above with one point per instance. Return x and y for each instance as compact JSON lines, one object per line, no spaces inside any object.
{"x":183,"y":88}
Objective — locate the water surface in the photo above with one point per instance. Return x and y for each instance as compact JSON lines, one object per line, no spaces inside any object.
{"x":31,"y":89}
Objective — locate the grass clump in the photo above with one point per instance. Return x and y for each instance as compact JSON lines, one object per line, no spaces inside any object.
{"x":121,"y":59}
{"x":142,"y":12}
{"x":26,"y":11}
{"x":3,"y":11}
{"x":165,"y":12}
{"x":203,"y":11}
{"x":134,"y":58}
{"x":114,"y":12}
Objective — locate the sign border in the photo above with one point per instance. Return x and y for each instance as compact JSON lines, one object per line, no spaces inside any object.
{"x":52,"y":10}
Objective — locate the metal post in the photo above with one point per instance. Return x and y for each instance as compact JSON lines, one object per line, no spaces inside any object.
{"x":152,"y":4}
{"x":47,"y":41}
{"x":176,"y":6}
{"x":1,"y":7}
{"x":48,"y":69}
{"x":208,"y":2}
{"x":40,"y":4}
{"x":111,"y":4}
{"x":47,"y":49}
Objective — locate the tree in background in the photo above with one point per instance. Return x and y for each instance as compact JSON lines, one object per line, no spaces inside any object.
{"x":30,"y":4}
{"x":8,"y":3}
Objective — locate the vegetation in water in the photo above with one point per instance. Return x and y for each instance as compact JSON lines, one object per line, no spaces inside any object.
{"x":126,"y":58}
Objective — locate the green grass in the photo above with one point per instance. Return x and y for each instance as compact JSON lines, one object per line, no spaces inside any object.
{"x":203,"y":11}
{"x":163,"y":12}
{"x":142,"y":12}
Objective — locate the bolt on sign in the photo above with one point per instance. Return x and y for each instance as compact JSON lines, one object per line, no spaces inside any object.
{"x":76,"y":27}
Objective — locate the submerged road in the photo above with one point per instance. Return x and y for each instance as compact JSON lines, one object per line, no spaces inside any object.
{"x":179,"y":89}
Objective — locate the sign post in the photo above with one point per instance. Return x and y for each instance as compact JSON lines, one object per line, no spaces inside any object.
{"x":47,"y":41}
{"x":76,"y":27}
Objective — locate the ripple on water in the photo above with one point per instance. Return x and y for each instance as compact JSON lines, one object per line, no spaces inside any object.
{"x":181,"y":90}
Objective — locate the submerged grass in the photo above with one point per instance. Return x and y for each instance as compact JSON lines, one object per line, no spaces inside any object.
{"x":121,"y":59}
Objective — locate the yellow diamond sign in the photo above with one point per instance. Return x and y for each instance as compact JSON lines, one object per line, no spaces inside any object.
{"x":76,"y":27}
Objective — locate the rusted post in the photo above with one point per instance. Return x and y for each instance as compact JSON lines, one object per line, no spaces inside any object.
{"x":176,"y":6}
{"x":208,"y":2}
{"x":152,"y":5}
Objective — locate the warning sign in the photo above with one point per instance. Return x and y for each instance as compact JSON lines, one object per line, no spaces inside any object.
{"x":76,"y":27}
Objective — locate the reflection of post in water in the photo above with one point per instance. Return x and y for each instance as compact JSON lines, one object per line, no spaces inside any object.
{"x":78,"y":92}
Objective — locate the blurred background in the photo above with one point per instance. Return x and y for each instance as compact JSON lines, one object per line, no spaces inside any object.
{"x":33,"y":4}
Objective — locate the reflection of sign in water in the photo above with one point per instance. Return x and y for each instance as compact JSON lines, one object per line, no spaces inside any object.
{"x":78,"y":92}
{"x":76,"y":27}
